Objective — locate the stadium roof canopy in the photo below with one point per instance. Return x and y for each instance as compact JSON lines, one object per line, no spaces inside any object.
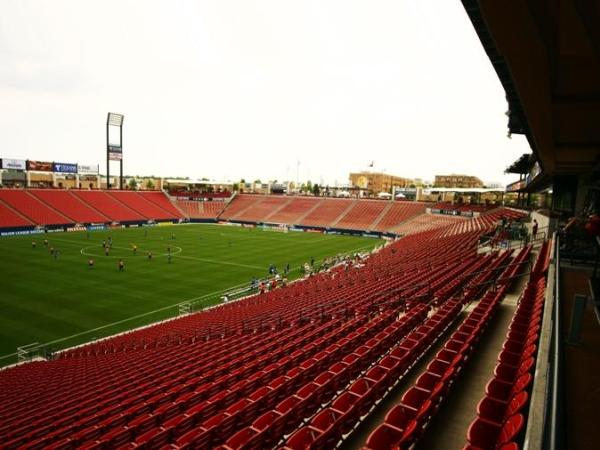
{"x":547,"y":56}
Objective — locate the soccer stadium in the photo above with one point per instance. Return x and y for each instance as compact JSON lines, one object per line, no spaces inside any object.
{"x":383,"y":312}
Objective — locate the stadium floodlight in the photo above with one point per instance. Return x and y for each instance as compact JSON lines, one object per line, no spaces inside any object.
{"x":114,"y":150}
{"x":114,"y":119}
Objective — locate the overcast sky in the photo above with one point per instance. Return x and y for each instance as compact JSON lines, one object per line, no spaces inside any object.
{"x":246,"y":89}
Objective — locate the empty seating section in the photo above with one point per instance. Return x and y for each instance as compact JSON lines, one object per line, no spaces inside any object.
{"x":326,"y":213}
{"x":239,"y":204}
{"x":201,"y":210}
{"x":140,"y":204}
{"x":424,"y":222}
{"x":69,"y":205}
{"x":501,"y":413}
{"x":296,"y":367}
{"x":292,"y":212}
{"x":197,"y":380}
{"x":109,"y":206}
{"x":32,"y":208}
{"x":398,"y":213}
{"x":362,"y":215}
{"x":261,"y":210}
{"x":162,"y":201}
{"x":9,"y":218}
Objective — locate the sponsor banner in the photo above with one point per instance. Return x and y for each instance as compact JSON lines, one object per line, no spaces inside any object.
{"x":248,"y":225}
{"x":467,"y":213}
{"x":17,"y":164}
{"x":369,"y":235}
{"x":115,"y":156}
{"x":20,"y":232}
{"x":134,"y":225}
{"x":65,"y":167}
{"x":40,"y":166}
{"x":79,"y":228}
{"x":96,"y":227}
{"x":164,"y":224}
{"x":297,"y":229}
{"x":115,"y":149}
{"x":89,"y":169}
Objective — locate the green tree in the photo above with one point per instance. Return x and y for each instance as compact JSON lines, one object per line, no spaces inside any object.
{"x":149,"y":184}
{"x":308,"y":186}
{"x":316,"y":190}
{"x":132,"y":184}
{"x":236,"y":187}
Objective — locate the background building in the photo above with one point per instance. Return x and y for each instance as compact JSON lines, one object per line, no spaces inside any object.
{"x":374,"y":183}
{"x":457,"y":181}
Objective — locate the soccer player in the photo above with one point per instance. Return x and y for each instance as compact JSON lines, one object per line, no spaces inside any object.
{"x":121,"y":265}
{"x":134,"y":249}
{"x":33,"y":244}
{"x":110,"y":241}
{"x":169,"y":258}
{"x":90,"y":263}
{"x":51,"y":250}
{"x":149,"y":256}
{"x":105,"y":251}
{"x":103,"y":244}
{"x":56,"y":253}
{"x":172,"y":236}
{"x":45,"y":242}
{"x":169,"y":249}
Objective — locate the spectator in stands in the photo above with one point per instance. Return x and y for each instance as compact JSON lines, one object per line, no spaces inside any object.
{"x":284,"y":282}
{"x":534,"y":229}
{"x":273,"y":284}
{"x":261,"y":287}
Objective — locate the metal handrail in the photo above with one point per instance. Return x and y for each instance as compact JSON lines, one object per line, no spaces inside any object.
{"x":555,"y":429}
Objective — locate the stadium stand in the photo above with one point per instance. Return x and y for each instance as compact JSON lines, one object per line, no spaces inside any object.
{"x":296,"y":366}
{"x":9,"y":218}
{"x":362,"y":215}
{"x":294,"y":210}
{"x":424,"y":222}
{"x":200,"y":210}
{"x":109,"y":206}
{"x":140,"y":204}
{"x":161,"y":200}
{"x":262,"y":208}
{"x":238,"y":206}
{"x":69,"y":205}
{"x":32,"y":208}
{"x":399,"y":212}
{"x":327,"y":212}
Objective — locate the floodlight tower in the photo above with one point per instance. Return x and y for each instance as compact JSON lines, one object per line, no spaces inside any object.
{"x":114,"y":145}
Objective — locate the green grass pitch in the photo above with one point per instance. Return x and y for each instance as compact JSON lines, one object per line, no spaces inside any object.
{"x":64,"y":302}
